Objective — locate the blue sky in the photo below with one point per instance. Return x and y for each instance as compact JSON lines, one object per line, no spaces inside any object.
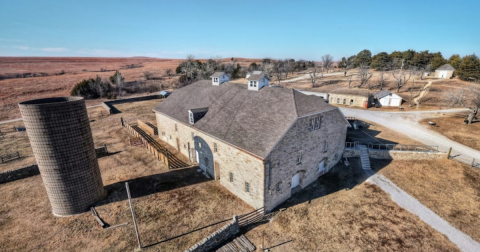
{"x":252,"y":29}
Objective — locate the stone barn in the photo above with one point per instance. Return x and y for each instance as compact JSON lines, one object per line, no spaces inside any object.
{"x":444,"y":72}
{"x":352,"y":97}
{"x":262,"y":145}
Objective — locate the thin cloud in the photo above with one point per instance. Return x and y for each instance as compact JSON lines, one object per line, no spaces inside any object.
{"x":53,"y":49}
{"x":25,"y":48}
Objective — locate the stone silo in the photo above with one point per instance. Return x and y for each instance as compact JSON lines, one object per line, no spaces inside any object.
{"x":59,"y":132}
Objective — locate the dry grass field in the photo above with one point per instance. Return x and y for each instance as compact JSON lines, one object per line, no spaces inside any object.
{"x":58,"y":83}
{"x":448,"y":188}
{"x":370,"y":132}
{"x":168,"y":203}
{"x":337,"y":213}
{"x":455,"y":129}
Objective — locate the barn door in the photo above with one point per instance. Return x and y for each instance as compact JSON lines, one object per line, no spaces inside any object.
{"x":295,"y":180}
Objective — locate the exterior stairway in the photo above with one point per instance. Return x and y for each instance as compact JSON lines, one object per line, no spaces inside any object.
{"x":364,"y":158}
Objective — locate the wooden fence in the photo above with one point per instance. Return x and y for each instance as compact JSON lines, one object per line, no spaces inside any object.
{"x":146,"y":127}
{"x":158,"y":151}
{"x":257,"y":215}
{"x":394,"y":147}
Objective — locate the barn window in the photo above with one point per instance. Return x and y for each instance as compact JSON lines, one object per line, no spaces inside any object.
{"x":312,"y":124}
{"x":299,"y":158}
{"x":344,"y":101}
{"x":336,"y":156}
{"x":190,"y":117}
{"x":351,"y":102}
{"x":176,"y":128}
{"x":215,"y":147}
{"x":231,"y":177}
{"x":325,"y":146}
{"x":317,"y":123}
{"x":338,"y":100}
{"x":193,"y":136}
{"x":247,"y":187}
{"x":278,"y":187}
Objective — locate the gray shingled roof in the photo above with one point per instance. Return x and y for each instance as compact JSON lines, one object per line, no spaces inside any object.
{"x":251,"y":120}
{"x":256,"y":77}
{"x":217,"y":74}
{"x":446,"y":67}
{"x":382,"y":93}
{"x":352,"y":91}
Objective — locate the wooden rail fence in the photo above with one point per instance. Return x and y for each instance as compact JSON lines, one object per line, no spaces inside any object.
{"x":154,"y":147}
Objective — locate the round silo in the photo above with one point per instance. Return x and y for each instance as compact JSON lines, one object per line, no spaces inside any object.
{"x":59,"y":131}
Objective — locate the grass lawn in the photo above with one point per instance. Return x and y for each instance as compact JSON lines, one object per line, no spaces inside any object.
{"x":449,"y":188}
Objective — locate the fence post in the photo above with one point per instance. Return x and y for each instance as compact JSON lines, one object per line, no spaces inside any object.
{"x":449,"y":151}
{"x":168,"y":161}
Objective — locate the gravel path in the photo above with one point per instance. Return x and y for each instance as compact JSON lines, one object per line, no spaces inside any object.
{"x":404,"y":200}
{"x":307,"y":76}
{"x":408,"y":124}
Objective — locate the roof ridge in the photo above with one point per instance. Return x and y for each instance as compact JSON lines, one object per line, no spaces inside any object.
{"x":295,"y":102}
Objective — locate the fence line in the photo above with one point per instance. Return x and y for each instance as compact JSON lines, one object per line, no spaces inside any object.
{"x":394,"y":147}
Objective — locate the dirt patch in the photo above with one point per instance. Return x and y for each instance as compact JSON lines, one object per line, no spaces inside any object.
{"x":448,"y":188}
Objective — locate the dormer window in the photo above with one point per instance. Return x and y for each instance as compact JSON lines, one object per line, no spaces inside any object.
{"x":196,"y":114}
{"x":218,"y":78}
{"x":215,"y":79}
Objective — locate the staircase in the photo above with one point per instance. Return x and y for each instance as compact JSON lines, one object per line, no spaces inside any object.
{"x":364,"y":158}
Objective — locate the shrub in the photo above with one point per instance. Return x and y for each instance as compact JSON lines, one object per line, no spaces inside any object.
{"x":93,"y":88}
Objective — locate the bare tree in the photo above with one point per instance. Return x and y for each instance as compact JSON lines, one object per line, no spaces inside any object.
{"x":168,"y":72}
{"x":363,"y":75}
{"x":327,"y":61}
{"x":267,"y":68}
{"x":287,"y":66}
{"x":346,"y":64}
{"x":278,"y":70}
{"x":382,"y":80}
{"x":412,"y":88}
{"x":402,"y":76}
{"x":475,"y":105}
{"x":315,"y":75}
{"x":349,"y":80}
{"x":189,"y":69}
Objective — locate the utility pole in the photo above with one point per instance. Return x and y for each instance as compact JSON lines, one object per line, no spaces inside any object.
{"x":133,"y":215}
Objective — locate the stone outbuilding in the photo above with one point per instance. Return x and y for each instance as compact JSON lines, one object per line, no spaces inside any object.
{"x":262,"y":145}
{"x":386,"y":98}
{"x":352,"y":97}
{"x":444,"y":72}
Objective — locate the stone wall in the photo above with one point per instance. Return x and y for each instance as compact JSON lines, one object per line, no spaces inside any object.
{"x":244,"y":166}
{"x":108,"y":105}
{"x":358,"y":100}
{"x":300,"y":138}
{"x":20,"y":173}
{"x":397,"y":155}
{"x":217,"y":238}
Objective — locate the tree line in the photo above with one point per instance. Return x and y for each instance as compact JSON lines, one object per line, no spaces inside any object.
{"x":466,"y":68}
{"x":192,"y":70}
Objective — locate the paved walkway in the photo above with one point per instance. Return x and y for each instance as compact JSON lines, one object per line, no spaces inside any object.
{"x":404,"y":200}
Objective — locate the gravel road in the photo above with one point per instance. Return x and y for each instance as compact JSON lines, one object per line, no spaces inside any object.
{"x":408,"y":124}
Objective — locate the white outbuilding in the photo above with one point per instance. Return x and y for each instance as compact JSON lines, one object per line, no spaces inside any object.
{"x":444,"y":72}
{"x":386,"y":98}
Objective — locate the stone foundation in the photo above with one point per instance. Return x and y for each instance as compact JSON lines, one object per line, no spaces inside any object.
{"x":397,"y":155}
{"x":217,"y":238}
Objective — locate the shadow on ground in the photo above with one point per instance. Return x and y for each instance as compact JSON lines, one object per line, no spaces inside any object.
{"x":152,"y":184}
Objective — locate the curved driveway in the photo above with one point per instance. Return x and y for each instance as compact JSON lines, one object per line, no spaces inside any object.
{"x":408,"y":124}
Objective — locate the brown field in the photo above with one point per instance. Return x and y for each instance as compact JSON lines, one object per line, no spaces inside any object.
{"x":16,"y":90}
{"x":336,"y":213}
{"x":330,"y":215}
{"x":448,"y":188}
{"x":168,"y":203}
{"x":454,"y":128}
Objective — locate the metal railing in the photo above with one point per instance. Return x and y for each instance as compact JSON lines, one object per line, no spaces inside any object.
{"x":394,"y":147}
